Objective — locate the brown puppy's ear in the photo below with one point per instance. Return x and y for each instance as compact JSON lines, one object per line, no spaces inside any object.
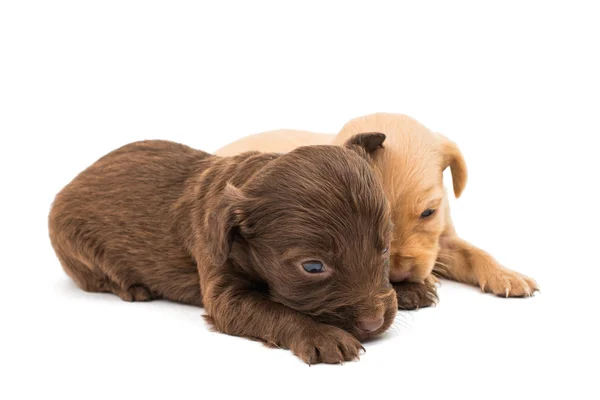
{"x":222,"y":223}
{"x":368,"y":142}
{"x":453,"y":158}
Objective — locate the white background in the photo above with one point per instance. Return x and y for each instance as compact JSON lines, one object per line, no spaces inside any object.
{"x":516,"y":85}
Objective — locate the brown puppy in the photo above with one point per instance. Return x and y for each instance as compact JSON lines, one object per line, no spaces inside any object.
{"x":411,"y":167}
{"x":288,"y":249}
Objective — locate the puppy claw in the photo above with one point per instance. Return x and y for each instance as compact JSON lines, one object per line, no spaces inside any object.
{"x":532,"y":284}
{"x":506,"y":283}
{"x":326,"y":344}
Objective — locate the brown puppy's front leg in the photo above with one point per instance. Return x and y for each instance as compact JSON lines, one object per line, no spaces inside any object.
{"x":412,"y":295}
{"x":460,"y":261}
{"x":238,"y":310}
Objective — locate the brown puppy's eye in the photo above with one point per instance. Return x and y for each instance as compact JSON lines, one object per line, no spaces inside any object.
{"x":385,"y":250}
{"x":313,"y":267}
{"x":427,"y":213}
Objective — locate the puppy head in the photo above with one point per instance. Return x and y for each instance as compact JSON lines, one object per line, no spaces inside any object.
{"x":411,"y":167}
{"x":315,"y":227}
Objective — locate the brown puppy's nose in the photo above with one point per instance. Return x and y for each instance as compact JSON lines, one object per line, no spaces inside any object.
{"x":370,"y":324}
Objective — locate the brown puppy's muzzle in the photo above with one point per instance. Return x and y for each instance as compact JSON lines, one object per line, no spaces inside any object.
{"x":370,"y":324}
{"x":366,"y":317}
{"x":376,"y":320}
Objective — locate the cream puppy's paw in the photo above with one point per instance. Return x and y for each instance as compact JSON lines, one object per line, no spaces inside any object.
{"x":506,"y":283}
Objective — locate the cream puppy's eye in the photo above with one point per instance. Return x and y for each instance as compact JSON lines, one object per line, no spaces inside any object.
{"x":427,"y":213}
{"x":313,"y":267}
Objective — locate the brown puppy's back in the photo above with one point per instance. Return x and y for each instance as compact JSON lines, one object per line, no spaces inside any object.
{"x":106,"y":242}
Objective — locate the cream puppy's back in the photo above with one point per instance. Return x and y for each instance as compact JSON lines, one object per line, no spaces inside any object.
{"x":279,"y":141}
{"x":286,"y":140}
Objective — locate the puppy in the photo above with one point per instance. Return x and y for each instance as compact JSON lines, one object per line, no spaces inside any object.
{"x":288,"y":249}
{"x":425,"y":241}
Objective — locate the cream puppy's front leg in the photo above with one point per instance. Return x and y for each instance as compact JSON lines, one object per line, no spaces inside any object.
{"x":461,"y":261}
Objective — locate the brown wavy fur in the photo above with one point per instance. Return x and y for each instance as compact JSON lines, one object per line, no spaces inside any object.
{"x":157,"y":219}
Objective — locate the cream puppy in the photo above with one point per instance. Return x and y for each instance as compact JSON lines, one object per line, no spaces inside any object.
{"x":425,"y":242}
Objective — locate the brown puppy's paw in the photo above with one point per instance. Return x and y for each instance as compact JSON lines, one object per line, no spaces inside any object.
{"x":326,"y":344}
{"x":506,"y":283}
{"x":412,"y":296}
{"x":134,"y":293}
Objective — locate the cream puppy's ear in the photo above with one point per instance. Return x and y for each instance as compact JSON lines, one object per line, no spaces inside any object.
{"x":453,"y":158}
